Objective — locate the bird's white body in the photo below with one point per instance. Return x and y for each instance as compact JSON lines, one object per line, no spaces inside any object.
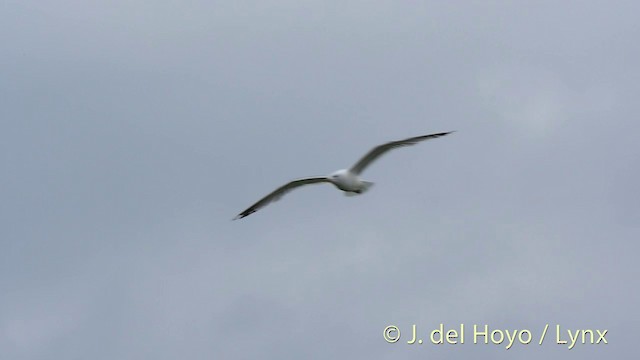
{"x":347,"y":180}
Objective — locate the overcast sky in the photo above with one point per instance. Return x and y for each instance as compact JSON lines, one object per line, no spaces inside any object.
{"x":132,"y":132}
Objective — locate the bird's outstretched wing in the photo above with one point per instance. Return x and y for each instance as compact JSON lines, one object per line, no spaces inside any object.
{"x":381,"y":149}
{"x":277,"y":194}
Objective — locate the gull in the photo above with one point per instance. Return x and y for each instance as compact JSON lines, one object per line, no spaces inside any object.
{"x":347,"y":180}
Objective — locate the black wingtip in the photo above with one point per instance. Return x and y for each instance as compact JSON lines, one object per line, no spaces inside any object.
{"x":244,"y":214}
{"x":444,"y":133}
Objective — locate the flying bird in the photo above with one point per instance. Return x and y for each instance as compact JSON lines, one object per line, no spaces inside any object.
{"x":347,"y":180}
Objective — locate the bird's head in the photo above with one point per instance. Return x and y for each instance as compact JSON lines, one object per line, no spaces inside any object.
{"x":337,"y":175}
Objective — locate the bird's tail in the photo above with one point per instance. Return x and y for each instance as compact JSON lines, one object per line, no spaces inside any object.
{"x":367,"y":185}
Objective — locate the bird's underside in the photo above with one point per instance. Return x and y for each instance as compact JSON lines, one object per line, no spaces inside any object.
{"x":347,"y":180}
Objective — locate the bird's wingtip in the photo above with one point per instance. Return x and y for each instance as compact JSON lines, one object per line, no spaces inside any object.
{"x":242,"y":215}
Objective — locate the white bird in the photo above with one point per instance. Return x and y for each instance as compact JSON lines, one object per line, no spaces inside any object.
{"x":347,"y":180}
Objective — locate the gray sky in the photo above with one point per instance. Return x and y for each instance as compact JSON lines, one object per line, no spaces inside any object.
{"x":132,"y":132}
